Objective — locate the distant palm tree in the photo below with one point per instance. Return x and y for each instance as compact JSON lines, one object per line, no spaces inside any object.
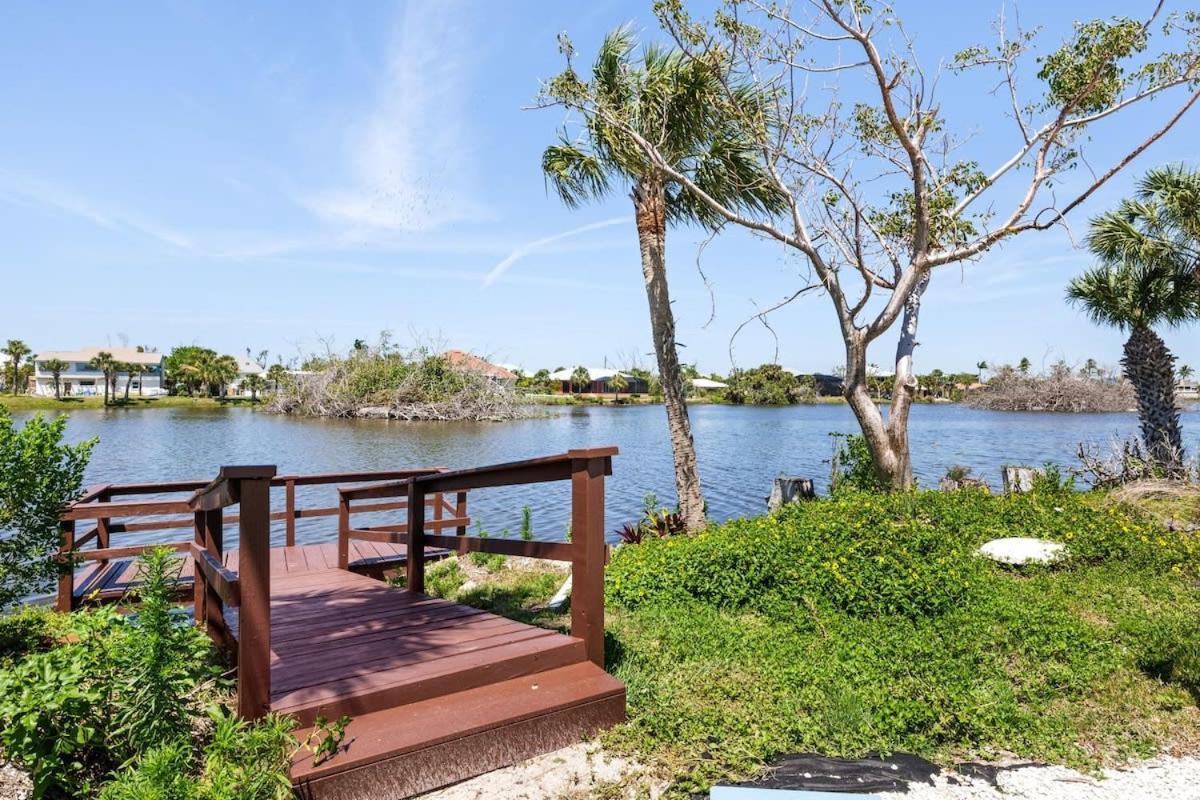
{"x":1024,"y":365}
{"x":580,"y":379}
{"x":981,"y":367}
{"x":676,"y":103}
{"x":275,"y":374}
{"x":618,"y":384}
{"x":1186,"y":372}
{"x":56,"y":367}
{"x":1136,"y":297}
{"x":16,"y":350}
{"x":107,"y":365}
{"x":254,"y":383}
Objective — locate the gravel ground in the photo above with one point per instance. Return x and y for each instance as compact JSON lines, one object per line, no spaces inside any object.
{"x":14,"y":784}
{"x":1162,"y":778}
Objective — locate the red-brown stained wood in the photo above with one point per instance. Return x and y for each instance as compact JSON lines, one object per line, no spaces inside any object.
{"x":587,"y":568}
{"x":254,"y":578}
{"x":416,"y":538}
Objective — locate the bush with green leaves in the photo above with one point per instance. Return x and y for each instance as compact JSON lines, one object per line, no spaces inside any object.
{"x":867,"y":622}
{"x":39,"y":475}
{"x":102,"y":703}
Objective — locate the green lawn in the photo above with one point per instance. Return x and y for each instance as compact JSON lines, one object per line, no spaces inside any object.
{"x":25,"y":402}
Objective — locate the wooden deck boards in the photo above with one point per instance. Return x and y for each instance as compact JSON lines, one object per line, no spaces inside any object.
{"x":114,"y":578}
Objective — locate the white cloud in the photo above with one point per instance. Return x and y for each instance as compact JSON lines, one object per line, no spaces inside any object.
{"x":521,"y":251}
{"x":410,"y":158}
{"x":29,"y":192}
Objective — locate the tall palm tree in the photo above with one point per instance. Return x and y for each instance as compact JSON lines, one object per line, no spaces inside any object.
{"x":254,"y":383}
{"x":16,"y":350}
{"x":981,"y":366}
{"x":1136,"y":296}
{"x":107,"y":365}
{"x":275,"y":374}
{"x":678,"y":105}
{"x":56,"y":367}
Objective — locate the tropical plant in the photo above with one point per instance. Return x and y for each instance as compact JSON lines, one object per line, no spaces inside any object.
{"x":580,"y":379}
{"x":879,"y":193}
{"x":1023,"y":365}
{"x":1135,"y":295}
{"x":56,"y":367}
{"x":255,"y":384}
{"x":980,"y":367}
{"x":108,"y":366}
{"x":275,"y":374}
{"x":618,"y":383}
{"x":39,"y":475}
{"x":1161,"y":223}
{"x":1186,"y":372}
{"x":16,"y":350}
{"x":671,"y":102}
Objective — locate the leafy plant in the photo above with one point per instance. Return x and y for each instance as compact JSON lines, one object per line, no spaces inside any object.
{"x":527,"y":523}
{"x":852,"y":467}
{"x":39,"y":475}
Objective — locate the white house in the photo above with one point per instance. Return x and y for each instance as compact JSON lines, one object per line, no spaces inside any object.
{"x":246,"y":368}
{"x":705,"y":384}
{"x":81,"y":380}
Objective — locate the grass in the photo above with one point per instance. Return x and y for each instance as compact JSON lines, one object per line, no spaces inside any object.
{"x":25,"y":402}
{"x":866,"y":623}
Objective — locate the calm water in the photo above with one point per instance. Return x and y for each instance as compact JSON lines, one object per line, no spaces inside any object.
{"x":740,"y":450}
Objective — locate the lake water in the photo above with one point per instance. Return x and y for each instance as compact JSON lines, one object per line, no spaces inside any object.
{"x":741,"y":449}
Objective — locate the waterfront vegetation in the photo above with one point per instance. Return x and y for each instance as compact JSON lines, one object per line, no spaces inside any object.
{"x":100,"y":704}
{"x":866,"y":622}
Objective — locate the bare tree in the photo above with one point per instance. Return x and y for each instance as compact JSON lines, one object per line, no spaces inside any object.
{"x":878,"y":193}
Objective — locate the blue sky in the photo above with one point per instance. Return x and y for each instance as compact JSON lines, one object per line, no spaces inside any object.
{"x":278,"y":175}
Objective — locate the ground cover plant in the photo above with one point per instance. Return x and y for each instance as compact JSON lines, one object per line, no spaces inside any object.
{"x":101,"y":704}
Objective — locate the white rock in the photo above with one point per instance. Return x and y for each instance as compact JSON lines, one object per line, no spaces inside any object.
{"x":1022,"y":550}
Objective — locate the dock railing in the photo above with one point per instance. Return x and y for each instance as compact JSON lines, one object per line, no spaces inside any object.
{"x":113,"y":509}
{"x":586,"y":551}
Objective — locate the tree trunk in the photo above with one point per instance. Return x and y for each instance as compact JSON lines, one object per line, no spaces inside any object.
{"x":888,"y":440}
{"x":650,"y":206}
{"x":1150,"y":367}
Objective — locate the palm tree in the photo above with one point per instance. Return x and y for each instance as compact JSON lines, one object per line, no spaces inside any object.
{"x":618,"y":384}
{"x":679,"y":106}
{"x":981,"y":367}
{"x":1186,"y":372}
{"x":222,"y":370}
{"x":107,"y":365}
{"x":275,"y":374}
{"x":254,"y":383}
{"x":56,"y":367}
{"x":1161,"y":223}
{"x":1024,"y":365}
{"x":580,"y":379}
{"x":16,"y":350}
{"x":1136,"y":296}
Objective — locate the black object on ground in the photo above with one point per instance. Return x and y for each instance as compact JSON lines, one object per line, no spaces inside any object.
{"x":873,"y":773}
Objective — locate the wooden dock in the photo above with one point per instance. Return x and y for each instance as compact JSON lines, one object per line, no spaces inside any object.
{"x":437,"y":691}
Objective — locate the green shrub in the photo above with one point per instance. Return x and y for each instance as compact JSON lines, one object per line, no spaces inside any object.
{"x":867,"y":623}
{"x":489,"y":561}
{"x":870,"y":555}
{"x":39,"y":475}
{"x":29,"y":629}
{"x":444,"y":578}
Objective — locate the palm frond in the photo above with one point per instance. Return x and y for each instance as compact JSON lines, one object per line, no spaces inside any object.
{"x":576,"y":174}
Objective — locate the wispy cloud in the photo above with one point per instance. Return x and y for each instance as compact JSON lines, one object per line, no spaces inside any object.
{"x":41,"y":194}
{"x":410,"y":157}
{"x":498,"y":271}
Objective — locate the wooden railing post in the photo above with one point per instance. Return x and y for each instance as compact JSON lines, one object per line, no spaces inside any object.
{"x":587,"y":564}
{"x":103,"y":535}
{"x":66,"y":574}
{"x":415,"y":553}
{"x":253,"y":490}
{"x":343,"y":545}
{"x":290,"y":523}
{"x":460,"y":511}
{"x":210,"y":536}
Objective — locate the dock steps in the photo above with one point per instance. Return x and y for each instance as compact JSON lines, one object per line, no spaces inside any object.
{"x":420,"y":746}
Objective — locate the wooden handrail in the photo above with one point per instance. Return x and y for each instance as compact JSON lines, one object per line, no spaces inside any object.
{"x":587,"y":551}
{"x":222,"y":580}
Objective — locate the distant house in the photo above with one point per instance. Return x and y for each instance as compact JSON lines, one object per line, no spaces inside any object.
{"x":828,"y":385}
{"x":1188,"y":389}
{"x":600,"y":383}
{"x":80,"y":379}
{"x":469,"y":362}
{"x":246,"y":368}
{"x":707,"y":384}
